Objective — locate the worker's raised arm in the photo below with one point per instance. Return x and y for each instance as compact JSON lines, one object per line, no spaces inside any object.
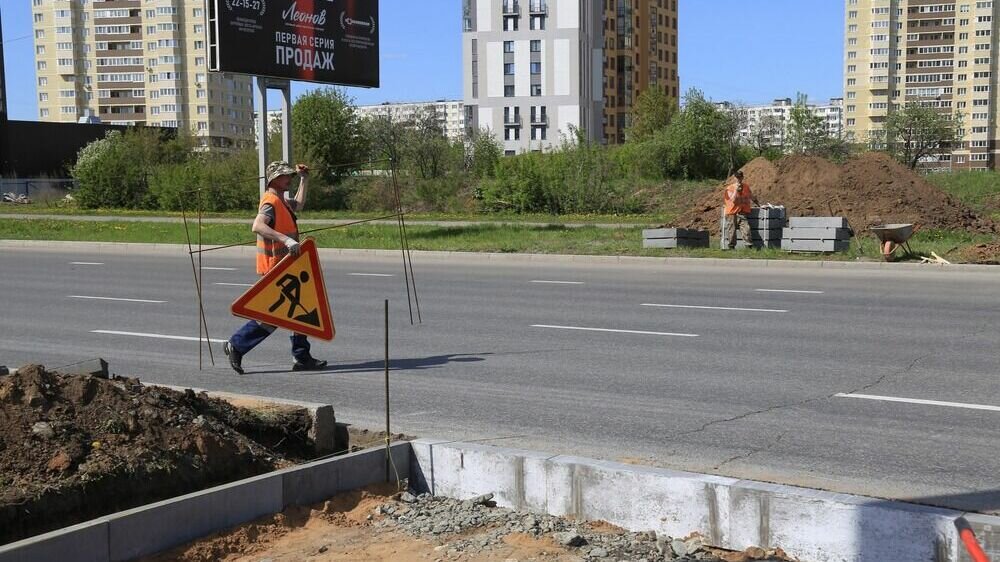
{"x":300,"y":193}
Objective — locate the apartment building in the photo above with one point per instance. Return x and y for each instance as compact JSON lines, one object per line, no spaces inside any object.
{"x":532,"y":70}
{"x":450,"y":112}
{"x":779,"y":112}
{"x":137,"y":62}
{"x":640,"y":52}
{"x":943,"y":54}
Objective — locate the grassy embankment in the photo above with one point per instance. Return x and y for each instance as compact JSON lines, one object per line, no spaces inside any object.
{"x":978,"y":190}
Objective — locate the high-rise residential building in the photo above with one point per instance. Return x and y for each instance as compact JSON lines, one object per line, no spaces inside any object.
{"x":640,"y":52}
{"x":942,"y":54}
{"x":137,"y":62}
{"x":532,"y":70}
{"x":449,"y":112}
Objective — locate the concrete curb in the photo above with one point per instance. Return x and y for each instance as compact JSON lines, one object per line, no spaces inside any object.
{"x":323,"y":430}
{"x":809,"y":524}
{"x":153,"y":528}
{"x":137,"y":249}
{"x":735,"y":514}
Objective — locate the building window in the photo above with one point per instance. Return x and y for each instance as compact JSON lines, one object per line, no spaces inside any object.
{"x":536,"y":90}
{"x":536,"y":46}
{"x":508,"y":46}
{"x":508,"y":91}
{"x":508,"y":69}
{"x":510,"y":24}
{"x":536,"y":68}
{"x":537,"y":22}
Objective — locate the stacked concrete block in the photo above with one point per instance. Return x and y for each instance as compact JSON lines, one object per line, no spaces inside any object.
{"x":817,"y":234}
{"x":674,"y":238}
{"x":766,"y":225}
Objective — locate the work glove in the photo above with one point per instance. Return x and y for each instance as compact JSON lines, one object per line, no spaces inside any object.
{"x":293,"y":246}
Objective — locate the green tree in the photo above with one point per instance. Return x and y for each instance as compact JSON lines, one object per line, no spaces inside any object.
{"x":483,"y":154}
{"x":915,"y":131}
{"x":694,"y":144}
{"x":113,"y":172}
{"x":807,"y":131}
{"x":652,"y":113}
{"x":328,"y":134}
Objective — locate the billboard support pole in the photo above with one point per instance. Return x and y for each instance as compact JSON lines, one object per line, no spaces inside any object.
{"x":286,"y":121}
{"x":262,"y":134}
{"x":264,"y":124}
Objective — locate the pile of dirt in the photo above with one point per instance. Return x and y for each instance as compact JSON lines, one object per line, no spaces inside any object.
{"x":870,"y":189}
{"x":76,"y":447}
{"x":982,"y":253}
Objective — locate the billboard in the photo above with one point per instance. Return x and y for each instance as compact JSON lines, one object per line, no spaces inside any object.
{"x":327,"y":41}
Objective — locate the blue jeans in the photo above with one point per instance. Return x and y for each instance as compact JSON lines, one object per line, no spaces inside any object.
{"x":253,"y":332}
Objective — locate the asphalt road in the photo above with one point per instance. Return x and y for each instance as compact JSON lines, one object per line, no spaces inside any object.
{"x":566,"y":358}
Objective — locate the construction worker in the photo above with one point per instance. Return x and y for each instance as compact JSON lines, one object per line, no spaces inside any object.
{"x":738,"y":201}
{"x":277,"y":236}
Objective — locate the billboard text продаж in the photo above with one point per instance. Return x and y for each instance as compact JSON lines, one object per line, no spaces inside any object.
{"x":329,"y":41}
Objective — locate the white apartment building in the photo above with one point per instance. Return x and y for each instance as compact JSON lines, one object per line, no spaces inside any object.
{"x":135,"y":62}
{"x":779,"y":112}
{"x":450,"y":112}
{"x":533,"y":70}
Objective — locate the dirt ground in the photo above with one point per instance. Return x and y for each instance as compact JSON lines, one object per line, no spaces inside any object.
{"x":379,"y":524}
{"x":869,"y":189}
{"x":75,"y":447}
{"x":982,"y":253}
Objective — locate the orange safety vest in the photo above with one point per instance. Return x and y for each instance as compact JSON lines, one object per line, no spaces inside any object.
{"x":738,"y":203}
{"x":269,"y":253}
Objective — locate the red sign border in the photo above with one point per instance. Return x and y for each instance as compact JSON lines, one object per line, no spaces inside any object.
{"x":238,"y":307}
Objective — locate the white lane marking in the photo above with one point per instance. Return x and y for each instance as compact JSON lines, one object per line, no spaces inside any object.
{"x":920,"y":401}
{"x":86,"y":263}
{"x":640,"y":332}
{"x":235,"y":284}
{"x":788,"y":291}
{"x":371,"y":274}
{"x":113,"y":299}
{"x":219,"y":268}
{"x":559,"y":282}
{"x":713,"y":307}
{"x":155,"y":336}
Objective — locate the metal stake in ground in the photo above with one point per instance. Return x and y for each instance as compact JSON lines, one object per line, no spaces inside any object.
{"x":388,"y":435}
{"x":203,"y":324}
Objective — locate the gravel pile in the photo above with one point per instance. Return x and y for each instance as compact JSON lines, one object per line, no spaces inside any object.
{"x":472,"y":528}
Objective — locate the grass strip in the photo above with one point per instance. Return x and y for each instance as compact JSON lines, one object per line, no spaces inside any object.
{"x":478,"y":238}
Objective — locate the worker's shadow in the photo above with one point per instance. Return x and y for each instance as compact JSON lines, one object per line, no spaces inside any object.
{"x":378,"y":366}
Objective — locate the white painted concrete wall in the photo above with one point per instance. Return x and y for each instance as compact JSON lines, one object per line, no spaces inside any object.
{"x":493,"y":72}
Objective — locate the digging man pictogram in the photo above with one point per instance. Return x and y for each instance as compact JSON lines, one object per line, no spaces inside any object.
{"x":291,"y":290}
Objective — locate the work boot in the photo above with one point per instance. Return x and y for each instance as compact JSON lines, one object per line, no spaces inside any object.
{"x":235,"y":357}
{"x":309,"y":364}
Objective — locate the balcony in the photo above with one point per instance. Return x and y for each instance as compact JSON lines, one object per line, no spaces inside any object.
{"x":512,"y":120}
{"x":511,"y":8}
{"x":536,"y":8}
{"x":540,"y":119}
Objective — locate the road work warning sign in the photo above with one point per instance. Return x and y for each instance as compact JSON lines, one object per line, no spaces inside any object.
{"x":292,"y":296}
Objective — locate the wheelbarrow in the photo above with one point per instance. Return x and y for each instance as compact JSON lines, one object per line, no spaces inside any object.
{"x":893,"y":237}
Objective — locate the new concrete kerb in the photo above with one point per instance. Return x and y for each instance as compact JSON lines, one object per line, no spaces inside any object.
{"x":121,"y":248}
{"x":146,"y":530}
{"x":811,"y":525}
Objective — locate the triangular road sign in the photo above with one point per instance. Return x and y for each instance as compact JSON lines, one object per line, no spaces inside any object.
{"x":292,"y":296}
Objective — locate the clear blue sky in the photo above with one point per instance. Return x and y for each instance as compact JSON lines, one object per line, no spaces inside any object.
{"x":739,"y":50}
